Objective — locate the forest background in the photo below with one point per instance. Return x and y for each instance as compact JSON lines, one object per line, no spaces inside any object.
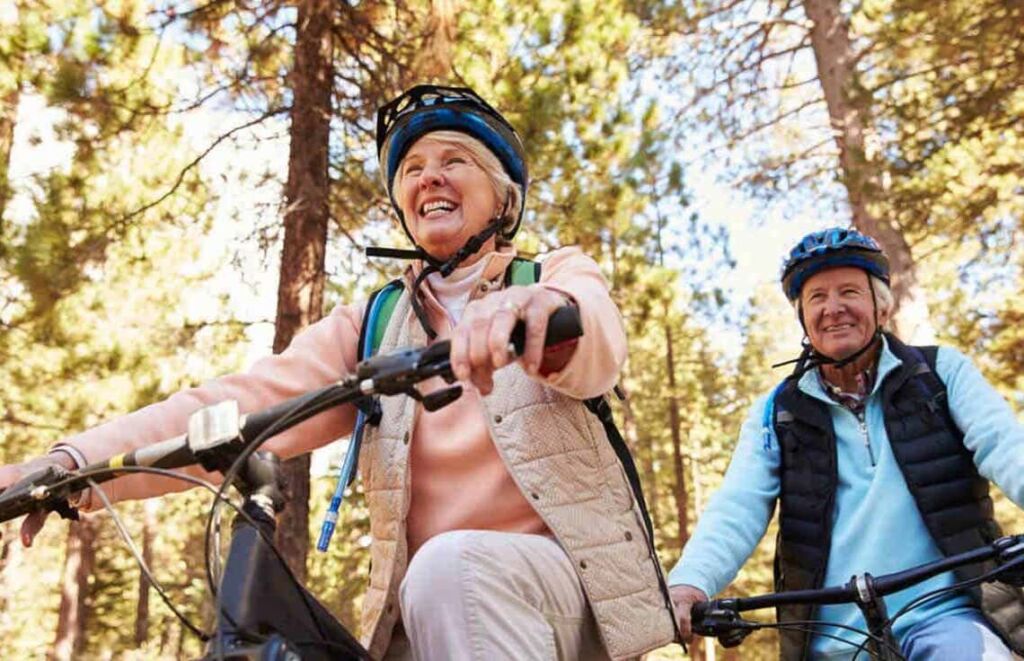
{"x":185,"y":185}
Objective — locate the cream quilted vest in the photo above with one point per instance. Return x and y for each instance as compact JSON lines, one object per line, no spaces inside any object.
{"x":557,"y":453}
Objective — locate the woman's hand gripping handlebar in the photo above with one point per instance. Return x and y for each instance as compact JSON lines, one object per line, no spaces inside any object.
{"x":219,"y":433}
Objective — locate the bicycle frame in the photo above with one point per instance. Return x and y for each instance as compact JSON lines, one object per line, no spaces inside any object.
{"x":258,"y":596}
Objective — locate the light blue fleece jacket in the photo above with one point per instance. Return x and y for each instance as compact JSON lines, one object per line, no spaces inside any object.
{"x":876,"y":525}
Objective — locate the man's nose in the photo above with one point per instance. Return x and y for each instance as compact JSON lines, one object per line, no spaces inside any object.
{"x":833,"y":304}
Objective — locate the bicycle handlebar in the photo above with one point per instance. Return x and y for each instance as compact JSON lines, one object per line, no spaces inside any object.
{"x":218,"y":433}
{"x":720,"y":617}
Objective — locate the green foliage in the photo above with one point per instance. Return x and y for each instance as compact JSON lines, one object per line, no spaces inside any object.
{"x":97,"y":286}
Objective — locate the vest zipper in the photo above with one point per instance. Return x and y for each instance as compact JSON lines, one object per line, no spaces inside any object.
{"x":864,"y":433}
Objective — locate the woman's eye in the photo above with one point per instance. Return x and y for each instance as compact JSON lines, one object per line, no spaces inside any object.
{"x":455,"y":160}
{"x":413,"y":169}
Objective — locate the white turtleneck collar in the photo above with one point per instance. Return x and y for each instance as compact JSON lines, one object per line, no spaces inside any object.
{"x":453,"y":292}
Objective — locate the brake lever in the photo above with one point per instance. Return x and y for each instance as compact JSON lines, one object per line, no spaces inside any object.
{"x":32,"y":493}
{"x":711,"y":619}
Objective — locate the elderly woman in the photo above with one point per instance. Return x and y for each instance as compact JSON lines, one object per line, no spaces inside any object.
{"x":503,"y":525}
{"x":880,"y":456}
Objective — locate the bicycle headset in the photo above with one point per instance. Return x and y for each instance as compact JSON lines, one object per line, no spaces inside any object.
{"x":425,"y":109}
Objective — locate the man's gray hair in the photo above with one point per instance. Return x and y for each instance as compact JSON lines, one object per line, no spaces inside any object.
{"x":885,"y":302}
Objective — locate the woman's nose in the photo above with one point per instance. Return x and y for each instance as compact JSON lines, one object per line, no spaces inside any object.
{"x":430,"y":177}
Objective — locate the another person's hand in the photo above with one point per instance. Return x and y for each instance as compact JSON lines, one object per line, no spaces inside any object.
{"x":683,"y":599}
{"x":33,"y":523}
{"x":480,"y":340}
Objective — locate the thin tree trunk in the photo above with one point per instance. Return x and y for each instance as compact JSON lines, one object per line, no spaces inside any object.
{"x":849,"y":114}
{"x":677,"y":443}
{"x":645,"y":457}
{"x":301,"y":287}
{"x":142,"y":606}
{"x":78,"y":565}
{"x":8,"y":121}
{"x":9,"y":552}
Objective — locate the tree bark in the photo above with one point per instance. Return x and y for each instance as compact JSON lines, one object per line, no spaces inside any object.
{"x":301,"y":287}
{"x":8,"y":121}
{"x":646,"y":457}
{"x":850,"y":117}
{"x":69,"y":640}
{"x":677,"y":443}
{"x":142,"y":606}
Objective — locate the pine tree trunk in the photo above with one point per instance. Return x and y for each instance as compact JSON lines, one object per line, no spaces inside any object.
{"x":142,"y":606}
{"x":8,"y":120}
{"x":850,"y":117}
{"x":301,"y":287}
{"x":645,"y":458}
{"x":677,"y":443}
{"x":8,"y":558}
{"x":78,"y":565}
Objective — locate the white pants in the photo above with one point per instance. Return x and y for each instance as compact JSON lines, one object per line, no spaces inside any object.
{"x":482,"y":595}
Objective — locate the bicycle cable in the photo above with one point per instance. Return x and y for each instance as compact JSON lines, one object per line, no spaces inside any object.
{"x":814,"y":632}
{"x":811,"y":627}
{"x":126,"y":537}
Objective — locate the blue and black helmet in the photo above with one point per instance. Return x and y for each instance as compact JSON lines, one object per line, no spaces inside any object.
{"x":830,"y":248}
{"x":427,"y":108}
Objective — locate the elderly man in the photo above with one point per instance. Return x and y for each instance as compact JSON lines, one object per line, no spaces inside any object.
{"x":879,"y":454}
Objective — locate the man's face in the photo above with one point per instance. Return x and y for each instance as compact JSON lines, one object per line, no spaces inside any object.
{"x":838,"y":311}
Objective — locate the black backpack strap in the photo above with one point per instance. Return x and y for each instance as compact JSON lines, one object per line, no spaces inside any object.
{"x":930,"y":385}
{"x":599,"y":407}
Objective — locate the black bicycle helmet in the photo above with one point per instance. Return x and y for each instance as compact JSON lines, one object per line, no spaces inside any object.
{"x":427,"y":108}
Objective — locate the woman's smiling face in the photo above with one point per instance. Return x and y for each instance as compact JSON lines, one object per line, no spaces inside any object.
{"x":445,"y":196}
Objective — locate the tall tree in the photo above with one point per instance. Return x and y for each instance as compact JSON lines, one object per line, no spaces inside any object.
{"x":850,"y":116}
{"x":301,"y":285}
{"x":78,"y":565}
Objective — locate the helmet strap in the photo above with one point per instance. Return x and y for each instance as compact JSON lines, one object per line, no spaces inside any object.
{"x":434,"y":265}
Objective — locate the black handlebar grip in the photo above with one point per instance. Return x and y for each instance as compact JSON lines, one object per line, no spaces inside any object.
{"x":18,"y":499}
{"x":697,"y":613}
{"x":563,"y":325}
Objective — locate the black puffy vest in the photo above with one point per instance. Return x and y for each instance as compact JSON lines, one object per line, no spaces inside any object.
{"x":939,"y":471}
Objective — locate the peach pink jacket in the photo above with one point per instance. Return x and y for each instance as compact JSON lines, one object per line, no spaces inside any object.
{"x":527,"y":458}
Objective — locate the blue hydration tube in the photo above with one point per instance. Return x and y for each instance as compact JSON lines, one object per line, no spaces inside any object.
{"x":348,"y":467}
{"x":768,"y":418}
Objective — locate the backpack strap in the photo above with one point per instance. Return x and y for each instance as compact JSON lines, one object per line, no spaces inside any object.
{"x":927,"y":380}
{"x":522,"y":272}
{"x":379,"y":309}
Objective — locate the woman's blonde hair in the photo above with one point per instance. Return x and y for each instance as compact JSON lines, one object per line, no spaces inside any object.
{"x":505,"y":189}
